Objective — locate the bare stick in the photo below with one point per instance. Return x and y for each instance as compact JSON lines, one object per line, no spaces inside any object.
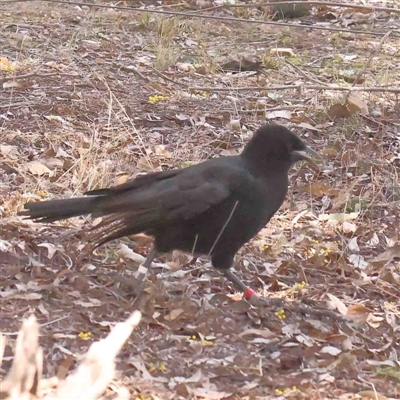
{"x":316,"y":3}
{"x":36,"y":75}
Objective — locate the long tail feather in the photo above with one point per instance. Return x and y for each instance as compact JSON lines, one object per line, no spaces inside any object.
{"x":55,"y":210}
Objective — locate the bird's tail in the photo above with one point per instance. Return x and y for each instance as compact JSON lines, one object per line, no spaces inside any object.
{"x":55,"y":210}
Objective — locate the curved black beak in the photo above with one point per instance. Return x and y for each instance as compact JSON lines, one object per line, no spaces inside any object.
{"x":309,"y":155}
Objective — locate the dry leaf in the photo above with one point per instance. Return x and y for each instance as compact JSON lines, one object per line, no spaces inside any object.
{"x":339,"y":111}
{"x":353,"y":245}
{"x":209,"y":394}
{"x":358,"y":313}
{"x":337,"y":303}
{"x":388,"y":255}
{"x":162,"y":151}
{"x":371,"y":394}
{"x":122,"y":179}
{"x":356,"y":103}
{"x":283,"y":52}
{"x":145,"y":164}
{"x":174,"y":314}
{"x":280,"y":114}
{"x":8,"y":151}
{"x":37,"y":168}
{"x":266,"y":333}
{"x":51,"y":249}
{"x":349,"y":227}
{"x":338,"y":217}
{"x":333,"y":351}
{"x":12,"y":84}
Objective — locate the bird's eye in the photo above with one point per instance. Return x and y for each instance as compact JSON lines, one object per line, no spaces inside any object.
{"x":289,"y":147}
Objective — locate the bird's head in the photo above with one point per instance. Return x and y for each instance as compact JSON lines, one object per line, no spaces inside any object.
{"x":274,"y":144}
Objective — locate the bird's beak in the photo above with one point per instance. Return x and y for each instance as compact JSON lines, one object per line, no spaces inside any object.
{"x":308,"y":155}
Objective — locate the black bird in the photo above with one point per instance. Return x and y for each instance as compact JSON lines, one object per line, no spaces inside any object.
{"x":212,"y":208}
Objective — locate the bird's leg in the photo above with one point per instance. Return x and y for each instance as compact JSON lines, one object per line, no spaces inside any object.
{"x":247,"y":291}
{"x":250,"y":295}
{"x":143,"y":269}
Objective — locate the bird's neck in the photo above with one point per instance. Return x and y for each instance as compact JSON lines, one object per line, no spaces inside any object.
{"x":268,"y":168}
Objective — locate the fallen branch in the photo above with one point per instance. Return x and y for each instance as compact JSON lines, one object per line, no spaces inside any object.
{"x":389,"y":89}
{"x":299,"y":87}
{"x":315,"y":3}
{"x":88,"y":382}
{"x":36,"y":75}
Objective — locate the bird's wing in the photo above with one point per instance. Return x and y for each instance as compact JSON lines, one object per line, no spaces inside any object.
{"x":192,"y":196}
{"x":181,"y":196}
{"x":164,"y":202}
{"x":138,"y":182}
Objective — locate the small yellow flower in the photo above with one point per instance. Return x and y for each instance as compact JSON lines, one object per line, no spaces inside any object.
{"x":280,"y":314}
{"x":40,"y":193}
{"x":85,"y":335}
{"x":6,"y":65}
{"x":156,"y":98}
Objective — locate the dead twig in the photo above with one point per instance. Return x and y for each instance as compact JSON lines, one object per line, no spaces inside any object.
{"x":302,"y":73}
{"x":315,"y":3}
{"x":389,"y":89}
{"x":168,"y":79}
{"x":299,"y":87}
{"x":36,"y":75}
{"x":41,"y":325}
{"x":18,"y":104}
{"x":131,"y":68}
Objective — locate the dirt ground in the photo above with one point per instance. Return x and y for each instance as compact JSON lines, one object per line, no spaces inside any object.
{"x":108,"y":94}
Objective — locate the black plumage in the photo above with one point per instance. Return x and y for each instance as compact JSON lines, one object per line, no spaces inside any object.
{"x":212,"y":208}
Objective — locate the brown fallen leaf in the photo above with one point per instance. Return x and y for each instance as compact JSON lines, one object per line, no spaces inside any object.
{"x":371,"y":394}
{"x":358,"y":313}
{"x":174,"y":314}
{"x":388,"y":255}
{"x":37,"y":168}
{"x":339,"y":111}
{"x":356,"y":104}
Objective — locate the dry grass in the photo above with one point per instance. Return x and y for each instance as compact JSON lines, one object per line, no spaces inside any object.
{"x":166,"y":50}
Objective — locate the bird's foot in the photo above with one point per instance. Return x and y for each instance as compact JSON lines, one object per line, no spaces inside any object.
{"x":136,"y":287}
{"x":258,"y":301}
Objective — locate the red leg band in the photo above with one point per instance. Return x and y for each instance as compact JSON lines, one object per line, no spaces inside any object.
{"x":248,"y":293}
